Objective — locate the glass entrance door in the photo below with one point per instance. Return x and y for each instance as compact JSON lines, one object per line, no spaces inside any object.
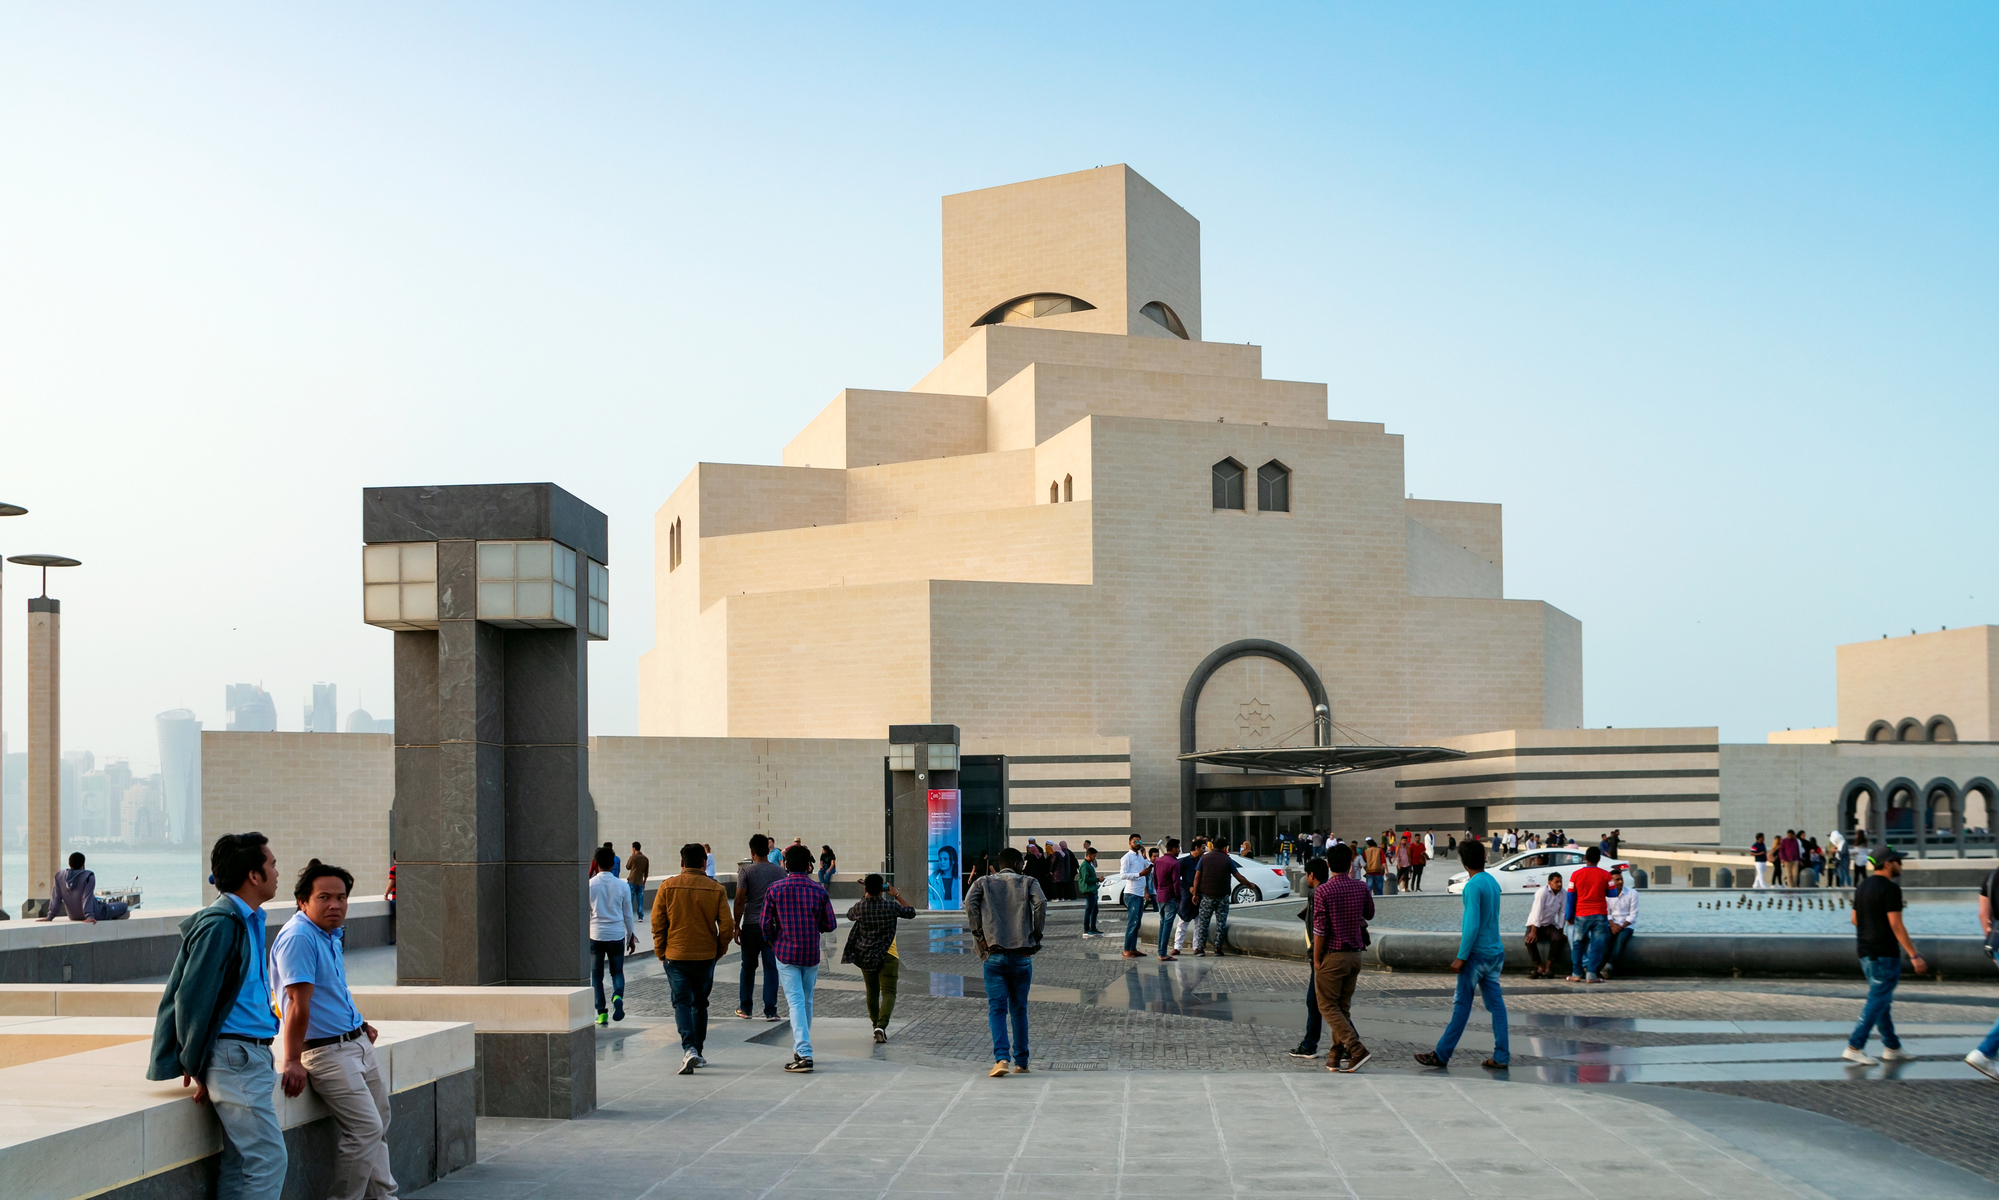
{"x":1255,"y":815}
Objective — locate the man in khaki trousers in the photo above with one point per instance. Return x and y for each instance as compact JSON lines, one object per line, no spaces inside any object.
{"x":323,"y":1039}
{"x":1341,"y":909}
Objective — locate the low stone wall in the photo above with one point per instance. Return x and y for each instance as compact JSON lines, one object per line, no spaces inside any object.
{"x":143,"y":944}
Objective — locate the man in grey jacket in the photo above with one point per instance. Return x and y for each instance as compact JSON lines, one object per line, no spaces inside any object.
{"x":1005,"y":911}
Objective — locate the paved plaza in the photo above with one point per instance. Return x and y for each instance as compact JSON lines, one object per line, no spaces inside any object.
{"x":1158,"y":1079}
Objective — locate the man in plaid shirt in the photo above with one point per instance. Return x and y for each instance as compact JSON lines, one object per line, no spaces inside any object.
{"x":1341,"y":908}
{"x":796,"y":912}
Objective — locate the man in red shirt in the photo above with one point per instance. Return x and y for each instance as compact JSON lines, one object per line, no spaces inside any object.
{"x":1592,"y":887}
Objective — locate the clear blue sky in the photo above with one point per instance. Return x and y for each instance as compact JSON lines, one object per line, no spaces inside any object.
{"x":1705,"y":295}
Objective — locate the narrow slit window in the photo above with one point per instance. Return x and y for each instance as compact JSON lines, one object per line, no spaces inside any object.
{"x":1228,"y":484}
{"x":1273,"y":487}
{"x":1054,"y":493}
{"x":1068,"y":487}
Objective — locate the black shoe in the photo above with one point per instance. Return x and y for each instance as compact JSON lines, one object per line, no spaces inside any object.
{"x":1303,"y":1051}
{"x":799,"y":1066}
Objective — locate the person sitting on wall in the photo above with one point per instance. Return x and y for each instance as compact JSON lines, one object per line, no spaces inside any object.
{"x":74,"y":895}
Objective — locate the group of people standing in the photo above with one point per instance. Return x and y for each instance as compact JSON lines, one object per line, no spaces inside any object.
{"x":1192,"y":892}
{"x":1794,"y":854}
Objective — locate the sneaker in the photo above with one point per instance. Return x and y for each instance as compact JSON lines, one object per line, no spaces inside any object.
{"x":1896,"y":1054}
{"x":771,"y":1016}
{"x":1020,"y":1068}
{"x":1983,"y":1065}
{"x":617,"y":1008}
{"x":1303,"y":1051}
{"x":745,"y":1016}
{"x":603,"y":1018}
{"x":1429,"y":1059}
{"x":1355,"y":1064}
{"x":881,"y":1035}
{"x":1859,"y":1056}
{"x":1219,"y":952}
{"x":686,"y":1064}
{"x":999,"y":1069}
{"x":698,"y":1061}
{"x":799,"y":1066}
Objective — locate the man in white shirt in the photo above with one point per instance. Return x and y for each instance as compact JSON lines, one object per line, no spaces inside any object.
{"x":1544,"y":926}
{"x":1623,"y":917}
{"x":614,"y":933}
{"x":1132,"y":868}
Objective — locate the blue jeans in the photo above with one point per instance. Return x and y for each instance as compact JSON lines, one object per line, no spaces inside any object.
{"x":1592,"y":939}
{"x":690,"y":981}
{"x":755,"y":950}
{"x":1882,"y":976}
{"x":240,"y":1080}
{"x":1480,"y":972}
{"x":1990,"y":1046}
{"x":1168,"y":914}
{"x":1374,"y":884}
{"x":798,"y":984}
{"x":638,"y":898}
{"x":1090,"y":912}
{"x":1134,"y":912}
{"x":1007,"y":979}
{"x":1618,"y":941}
{"x":599,"y":953}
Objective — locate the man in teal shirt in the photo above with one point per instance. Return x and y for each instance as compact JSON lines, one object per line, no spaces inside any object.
{"x":1481,"y":956}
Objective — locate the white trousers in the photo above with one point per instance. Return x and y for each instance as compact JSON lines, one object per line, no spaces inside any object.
{"x":1762,"y":870}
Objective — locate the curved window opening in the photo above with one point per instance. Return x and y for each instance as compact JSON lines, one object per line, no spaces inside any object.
{"x":1166,"y":319}
{"x":1880,"y":731}
{"x":1027,"y":308}
{"x":1228,"y":484}
{"x":1054,"y":493}
{"x":1068,"y":487}
{"x":1273,"y":487}
{"x":1910,"y":730}
{"x":1942,"y":729}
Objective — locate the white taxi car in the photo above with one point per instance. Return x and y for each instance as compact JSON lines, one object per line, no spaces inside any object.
{"x":1530,"y":869}
{"x":1267,"y":881}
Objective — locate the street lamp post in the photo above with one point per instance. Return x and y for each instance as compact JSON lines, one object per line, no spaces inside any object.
{"x":44,"y":790}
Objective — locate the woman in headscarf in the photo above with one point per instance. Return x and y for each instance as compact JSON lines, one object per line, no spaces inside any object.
{"x":1036,"y":867}
{"x":1062,"y":868}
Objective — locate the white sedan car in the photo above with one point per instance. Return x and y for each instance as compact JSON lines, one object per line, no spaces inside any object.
{"x":1529,"y":870}
{"x":1267,"y":881}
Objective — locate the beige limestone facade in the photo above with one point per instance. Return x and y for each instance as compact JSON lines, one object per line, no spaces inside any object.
{"x":315,"y":795}
{"x":1033,"y":541}
{"x":1924,"y":687}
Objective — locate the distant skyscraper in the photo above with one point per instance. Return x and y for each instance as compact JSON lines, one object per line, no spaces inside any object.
{"x":180,"y":772}
{"x":250,"y":708}
{"x":75,"y":765}
{"x":323,"y":714}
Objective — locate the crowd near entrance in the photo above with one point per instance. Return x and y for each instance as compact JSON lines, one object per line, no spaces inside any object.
{"x":1260,"y":816}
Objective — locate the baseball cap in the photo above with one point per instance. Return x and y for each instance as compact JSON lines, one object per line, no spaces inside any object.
{"x":1886,"y":854}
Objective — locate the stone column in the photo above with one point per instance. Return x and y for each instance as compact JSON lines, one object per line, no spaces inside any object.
{"x":909,"y":815}
{"x":44,"y":787}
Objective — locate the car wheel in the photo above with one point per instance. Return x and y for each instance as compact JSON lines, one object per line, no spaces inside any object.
{"x":1246,"y":895}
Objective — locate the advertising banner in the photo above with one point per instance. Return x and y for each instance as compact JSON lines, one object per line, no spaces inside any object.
{"x":945,"y":842}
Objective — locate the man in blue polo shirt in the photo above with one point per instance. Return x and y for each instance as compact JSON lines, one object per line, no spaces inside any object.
{"x":325,"y":1041}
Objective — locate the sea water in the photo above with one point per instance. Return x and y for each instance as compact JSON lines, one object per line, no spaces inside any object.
{"x":172,"y":878}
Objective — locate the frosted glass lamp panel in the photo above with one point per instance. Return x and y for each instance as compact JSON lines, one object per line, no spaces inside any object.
{"x":420,"y":603}
{"x":419,"y":563}
{"x":379,"y":603}
{"x":381,"y":564}
{"x":531,"y":560}
{"x":565,"y":605}
{"x":600,"y":582}
{"x":943,"y":758}
{"x":565,"y":564}
{"x":531,"y":601}
{"x":902,"y":758}
{"x":496,"y":561}
{"x":600,"y":621}
{"x":496,"y":600}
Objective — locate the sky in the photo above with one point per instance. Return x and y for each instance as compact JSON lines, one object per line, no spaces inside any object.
{"x":1704,"y":295}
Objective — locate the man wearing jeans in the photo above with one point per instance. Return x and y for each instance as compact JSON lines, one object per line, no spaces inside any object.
{"x":1480,"y":958}
{"x":752,"y":881}
{"x":796,"y":911}
{"x":1982,"y":1057}
{"x":1166,"y":885}
{"x":1877,"y":923}
{"x":215,"y":1023}
{"x":691,"y":926}
{"x":614,"y":933}
{"x":638,"y":868}
{"x":1132,"y":870}
{"x":1004,"y":912}
{"x":1591,"y":885}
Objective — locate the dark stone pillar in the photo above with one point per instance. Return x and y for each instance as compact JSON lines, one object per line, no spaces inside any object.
{"x":910,"y":815}
{"x":493,"y":820}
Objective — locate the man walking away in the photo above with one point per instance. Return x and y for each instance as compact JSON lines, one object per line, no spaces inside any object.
{"x":325,"y":1041}
{"x":796,"y":911}
{"x":73,"y":894}
{"x":1544,"y":926}
{"x":614,"y":932}
{"x":1087,"y":882}
{"x":691,"y":927}
{"x":1983,"y":1059}
{"x":1760,"y":851}
{"x":637,"y":870}
{"x":1883,"y":939}
{"x":1214,"y":876}
{"x":215,"y":1023}
{"x":1131,"y":869}
{"x":1005,"y":914}
{"x":1623,"y":913}
{"x":752,"y":883}
{"x":1166,"y":882}
{"x":1317,"y":870}
{"x":871,"y":947}
{"x":1341,"y":908}
{"x":1481,"y":957}
{"x":1592,"y":888}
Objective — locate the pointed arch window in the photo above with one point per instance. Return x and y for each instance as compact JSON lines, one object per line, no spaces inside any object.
{"x":1068,"y":488}
{"x":1228,"y":484}
{"x":1273,"y":487}
{"x":1054,"y":492}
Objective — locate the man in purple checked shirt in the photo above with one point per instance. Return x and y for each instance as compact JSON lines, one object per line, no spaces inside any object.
{"x":796,"y":912}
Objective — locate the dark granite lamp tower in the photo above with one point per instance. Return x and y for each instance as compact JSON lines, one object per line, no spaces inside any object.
{"x":494,"y":592}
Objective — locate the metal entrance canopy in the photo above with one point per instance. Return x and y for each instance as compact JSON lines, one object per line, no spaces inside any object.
{"x":1321,"y":760}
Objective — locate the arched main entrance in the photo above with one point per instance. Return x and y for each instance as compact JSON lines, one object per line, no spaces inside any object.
{"x":1190,"y":705}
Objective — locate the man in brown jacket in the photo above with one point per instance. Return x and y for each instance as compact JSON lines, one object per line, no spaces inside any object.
{"x":691,"y":927}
